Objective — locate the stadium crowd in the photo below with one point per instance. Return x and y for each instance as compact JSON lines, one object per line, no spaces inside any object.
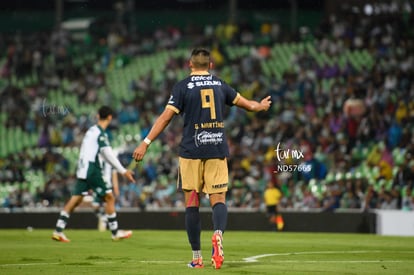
{"x":364,"y":162}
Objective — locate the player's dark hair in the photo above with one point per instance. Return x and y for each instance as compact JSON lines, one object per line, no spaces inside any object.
{"x":200,"y":51}
{"x":200,"y":57}
{"x":104,"y":112}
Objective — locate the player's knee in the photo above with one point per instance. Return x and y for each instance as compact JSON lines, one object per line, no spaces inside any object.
{"x":217,"y":198}
{"x":109,"y":197}
{"x":192,"y":199}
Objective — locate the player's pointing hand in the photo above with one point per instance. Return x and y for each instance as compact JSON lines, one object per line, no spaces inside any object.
{"x":266,"y":102}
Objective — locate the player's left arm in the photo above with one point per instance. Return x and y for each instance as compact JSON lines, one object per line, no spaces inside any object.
{"x":110,"y":157}
{"x":160,"y":124}
{"x":252,"y":105}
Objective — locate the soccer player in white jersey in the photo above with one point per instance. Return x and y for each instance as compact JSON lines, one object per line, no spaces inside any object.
{"x":89,"y":176}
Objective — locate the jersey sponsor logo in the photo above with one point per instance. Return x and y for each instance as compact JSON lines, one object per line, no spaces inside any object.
{"x":201,"y":77}
{"x":218,"y":186}
{"x":207,"y":138}
{"x":208,"y":83}
{"x":200,"y":80}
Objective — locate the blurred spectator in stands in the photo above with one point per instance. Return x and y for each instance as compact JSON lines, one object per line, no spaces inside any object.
{"x":12,"y":200}
{"x":27,"y":198}
{"x":401,"y":176}
{"x":349,"y":199}
{"x":408,"y":199}
{"x":128,"y":114}
{"x":371,"y":200}
{"x":394,"y":135}
{"x":317,"y":169}
{"x":333,"y":195}
{"x":360,"y":188}
{"x":44,"y":139}
{"x":387,"y":201}
{"x":309,"y":201}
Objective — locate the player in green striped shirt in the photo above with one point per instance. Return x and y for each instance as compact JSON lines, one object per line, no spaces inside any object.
{"x":89,"y":176}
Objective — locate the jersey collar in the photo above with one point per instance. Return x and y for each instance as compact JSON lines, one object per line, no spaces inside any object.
{"x":100,"y":128}
{"x":200,"y":73}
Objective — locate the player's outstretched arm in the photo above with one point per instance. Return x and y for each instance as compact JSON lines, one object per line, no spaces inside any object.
{"x":110,"y":157}
{"x":160,"y":124}
{"x":254,"y":106}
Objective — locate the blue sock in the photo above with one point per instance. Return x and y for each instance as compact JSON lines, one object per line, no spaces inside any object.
{"x":193,"y":227}
{"x":219,"y":217}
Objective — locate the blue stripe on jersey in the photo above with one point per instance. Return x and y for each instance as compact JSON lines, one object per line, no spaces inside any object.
{"x":201,"y":99}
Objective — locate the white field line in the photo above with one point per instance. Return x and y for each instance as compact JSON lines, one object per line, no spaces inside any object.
{"x":255,"y":258}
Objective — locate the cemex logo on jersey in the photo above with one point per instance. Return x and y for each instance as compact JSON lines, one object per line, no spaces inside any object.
{"x":205,"y":137}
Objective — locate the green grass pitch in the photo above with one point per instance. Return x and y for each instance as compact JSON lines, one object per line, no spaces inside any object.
{"x":167,"y":252}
